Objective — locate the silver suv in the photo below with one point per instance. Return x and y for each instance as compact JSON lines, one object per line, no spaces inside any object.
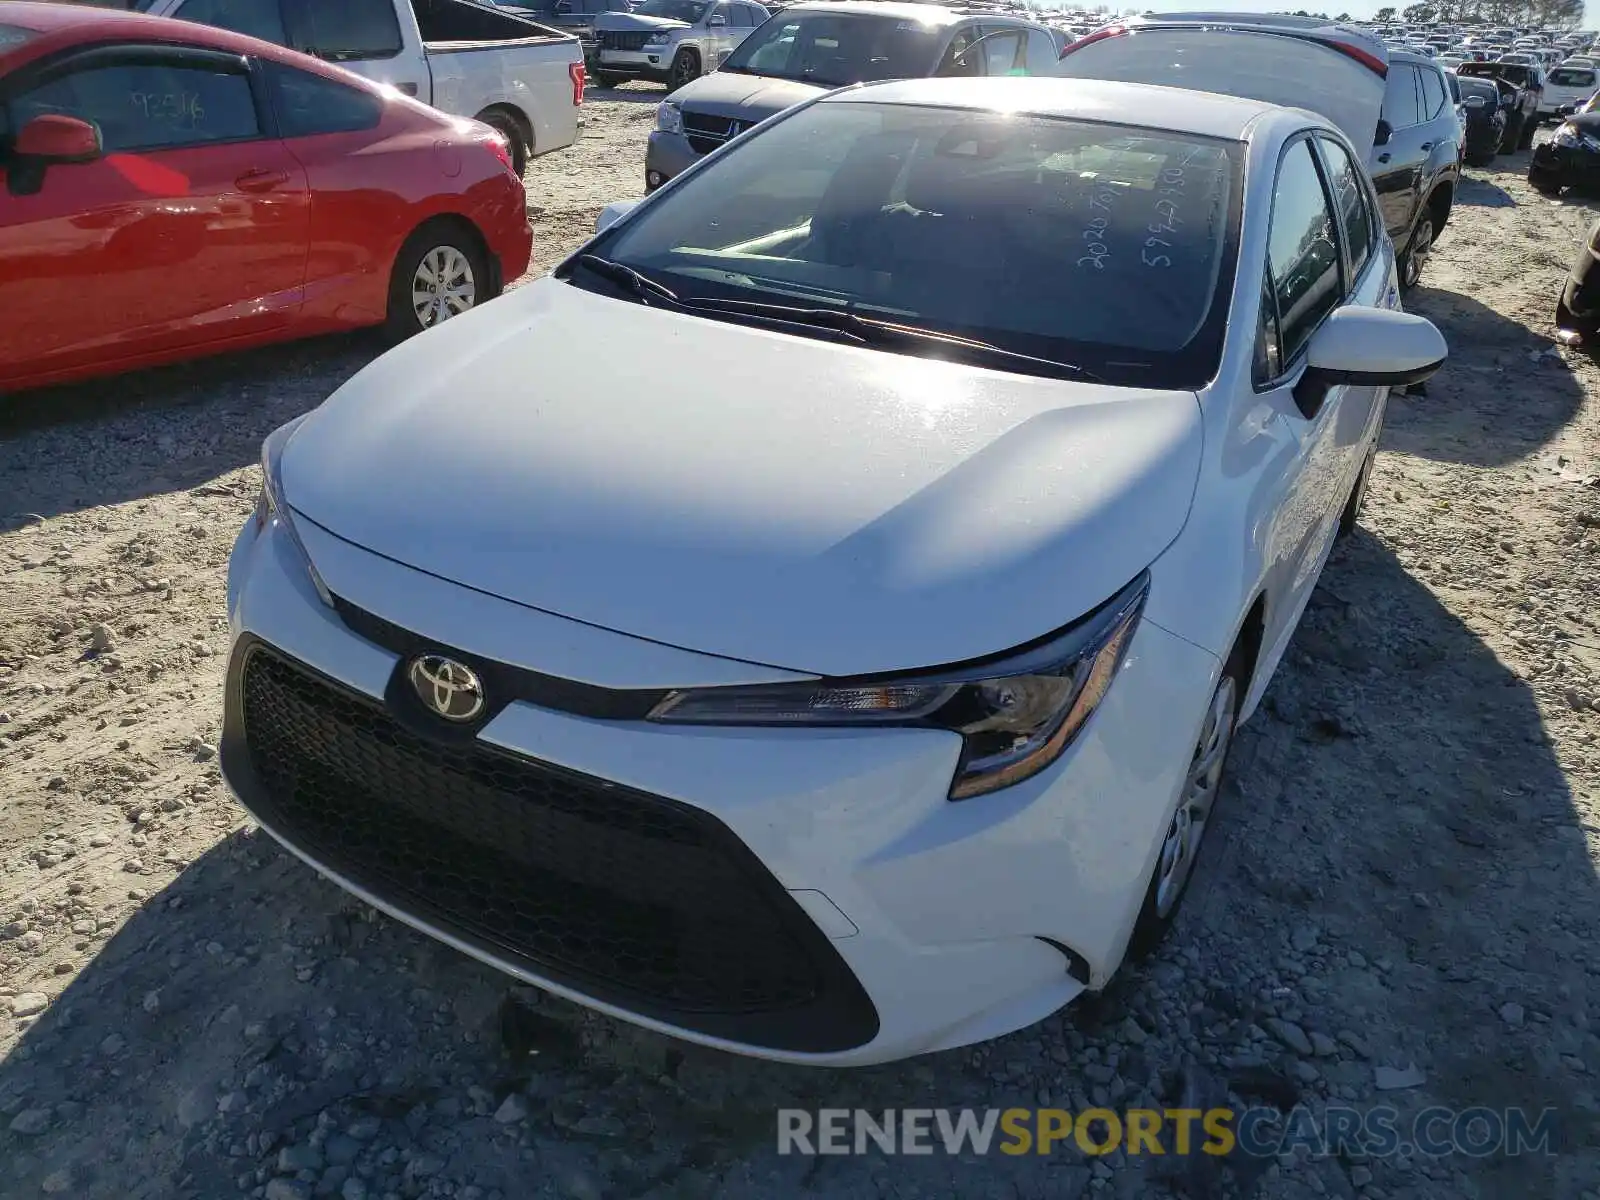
{"x":812,"y":48}
{"x":671,"y":41}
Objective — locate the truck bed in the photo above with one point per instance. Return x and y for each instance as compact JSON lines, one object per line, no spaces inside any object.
{"x":459,"y":25}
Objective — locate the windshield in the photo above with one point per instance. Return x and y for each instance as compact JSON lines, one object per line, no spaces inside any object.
{"x":688,"y":11}
{"x":833,"y":49}
{"x":1107,"y":246}
{"x":1572,"y":77}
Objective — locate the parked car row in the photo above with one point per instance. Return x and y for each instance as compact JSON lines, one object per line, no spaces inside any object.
{"x":1040,"y":405}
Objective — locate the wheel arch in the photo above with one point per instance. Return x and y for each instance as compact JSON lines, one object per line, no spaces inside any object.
{"x":511,"y":112}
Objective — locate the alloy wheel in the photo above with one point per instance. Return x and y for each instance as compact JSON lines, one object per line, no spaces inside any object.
{"x":1204,"y":780}
{"x":443,"y":286}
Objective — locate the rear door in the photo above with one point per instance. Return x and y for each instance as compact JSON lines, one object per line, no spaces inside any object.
{"x":1400,"y":160}
{"x":192,"y":227}
{"x":1300,"y":63}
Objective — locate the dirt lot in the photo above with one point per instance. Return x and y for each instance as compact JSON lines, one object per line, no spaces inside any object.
{"x":1406,"y":879}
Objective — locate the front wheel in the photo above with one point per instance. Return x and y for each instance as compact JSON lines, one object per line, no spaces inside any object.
{"x":1202,"y":784}
{"x":1513,"y":135}
{"x":439,"y":273}
{"x":685,"y":70}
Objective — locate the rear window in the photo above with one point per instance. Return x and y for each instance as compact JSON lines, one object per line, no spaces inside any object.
{"x":834,"y":49}
{"x":1572,"y":77}
{"x":1484,"y":93}
{"x":347,"y":31}
{"x":1102,"y":245}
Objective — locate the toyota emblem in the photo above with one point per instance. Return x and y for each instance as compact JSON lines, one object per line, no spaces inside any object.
{"x":446,"y":687}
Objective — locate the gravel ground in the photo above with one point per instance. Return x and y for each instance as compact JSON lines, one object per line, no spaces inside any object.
{"x":1401,"y":909}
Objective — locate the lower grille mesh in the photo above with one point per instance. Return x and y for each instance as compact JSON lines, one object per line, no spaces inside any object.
{"x":638,"y":899}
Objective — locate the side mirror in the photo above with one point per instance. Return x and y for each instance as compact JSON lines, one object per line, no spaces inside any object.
{"x":1368,"y":347}
{"x":1384,"y":133}
{"x":56,"y":138}
{"x":716,"y":20}
{"x":612,"y":213}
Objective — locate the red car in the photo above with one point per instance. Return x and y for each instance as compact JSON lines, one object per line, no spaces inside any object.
{"x":169,"y":190}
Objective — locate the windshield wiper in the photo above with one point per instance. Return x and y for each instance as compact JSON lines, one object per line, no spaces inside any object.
{"x":646,"y":289}
{"x":872,"y":332}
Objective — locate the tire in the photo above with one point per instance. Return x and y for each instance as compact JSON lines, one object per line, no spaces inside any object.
{"x":1417,"y":249}
{"x":607,"y":80}
{"x":443,"y":253}
{"x":685,"y":69}
{"x":1350,"y":518}
{"x":511,"y":130}
{"x":1185,"y":838}
{"x":1513,"y":135}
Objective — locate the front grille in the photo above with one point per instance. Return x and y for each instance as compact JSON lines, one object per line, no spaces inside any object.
{"x":706,"y":133}
{"x":633,"y":898}
{"x":623,"y":41}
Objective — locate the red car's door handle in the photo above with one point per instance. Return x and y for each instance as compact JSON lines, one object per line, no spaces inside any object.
{"x":261,"y":181}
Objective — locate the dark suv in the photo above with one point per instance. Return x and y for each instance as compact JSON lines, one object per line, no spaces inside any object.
{"x":1416,"y":157}
{"x":1522,"y":118}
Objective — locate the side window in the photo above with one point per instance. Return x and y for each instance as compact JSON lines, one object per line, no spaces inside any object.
{"x":1042,"y":53}
{"x":1005,"y":52}
{"x":956,"y":60}
{"x":1351,"y":203}
{"x":1302,"y":256}
{"x":758,"y":15}
{"x":158,"y":103}
{"x":1433,"y":95}
{"x":738,"y":16}
{"x":256,"y":18}
{"x":347,"y":31}
{"x":1401,"y":107}
{"x":308,"y":104}
{"x":1269,"y":352}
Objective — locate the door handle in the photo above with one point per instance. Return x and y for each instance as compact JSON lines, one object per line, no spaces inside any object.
{"x":260,"y":181}
{"x":406,"y":89}
{"x":1427,"y":146}
{"x":1384,"y":157}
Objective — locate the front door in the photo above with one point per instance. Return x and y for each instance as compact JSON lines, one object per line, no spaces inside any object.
{"x":1399,"y":162}
{"x":191,"y":228}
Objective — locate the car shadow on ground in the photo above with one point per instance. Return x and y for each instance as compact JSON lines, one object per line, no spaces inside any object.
{"x":160,"y":430}
{"x":1503,"y":392}
{"x":1483,"y":194}
{"x":637,"y":92}
{"x":251,"y":1006}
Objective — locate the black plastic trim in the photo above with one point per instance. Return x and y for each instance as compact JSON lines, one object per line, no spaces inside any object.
{"x":840,"y":1017}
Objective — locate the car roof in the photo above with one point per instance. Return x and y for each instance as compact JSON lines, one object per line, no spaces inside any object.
{"x":66,"y":26}
{"x":1201,"y":114}
{"x":928,"y":14}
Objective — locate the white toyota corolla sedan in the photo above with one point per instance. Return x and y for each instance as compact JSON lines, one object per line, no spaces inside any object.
{"x":813,"y":620}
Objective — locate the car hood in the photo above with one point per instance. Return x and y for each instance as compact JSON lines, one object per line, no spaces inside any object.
{"x":730,"y":94}
{"x":742,"y":492}
{"x":624,"y":22}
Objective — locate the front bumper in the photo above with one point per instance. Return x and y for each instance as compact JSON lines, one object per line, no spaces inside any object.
{"x":929,"y":924}
{"x":654,"y":62}
{"x":666,"y":156}
{"x":1567,"y":165}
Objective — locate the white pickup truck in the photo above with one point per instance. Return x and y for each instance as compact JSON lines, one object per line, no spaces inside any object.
{"x":470,"y":60}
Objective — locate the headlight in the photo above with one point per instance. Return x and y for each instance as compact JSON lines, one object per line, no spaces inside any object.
{"x":1567,"y":135}
{"x":270,"y":505}
{"x":1016,"y":713}
{"x":658,"y":39}
{"x":669,"y":118}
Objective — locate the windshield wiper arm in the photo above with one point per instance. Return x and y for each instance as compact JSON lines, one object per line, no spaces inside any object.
{"x":871,"y":331}
{"x":642,"y":286}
